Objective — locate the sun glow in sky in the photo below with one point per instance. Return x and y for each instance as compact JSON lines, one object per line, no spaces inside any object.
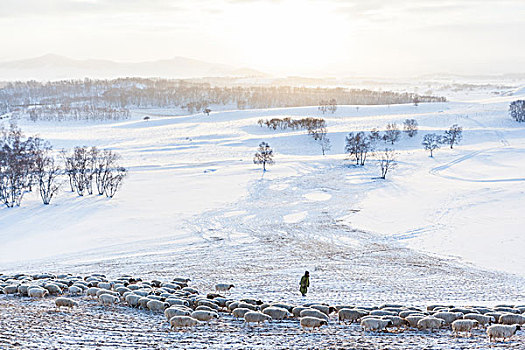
{"x":308,"y":37}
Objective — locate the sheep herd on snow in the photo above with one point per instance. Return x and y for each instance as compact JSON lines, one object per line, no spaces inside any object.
{"x":183,"y":306}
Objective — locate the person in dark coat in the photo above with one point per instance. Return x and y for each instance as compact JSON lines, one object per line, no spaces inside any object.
{"x":305,"y":283}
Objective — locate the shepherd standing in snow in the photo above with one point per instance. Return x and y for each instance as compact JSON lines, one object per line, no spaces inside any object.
{"x":305,"y":283}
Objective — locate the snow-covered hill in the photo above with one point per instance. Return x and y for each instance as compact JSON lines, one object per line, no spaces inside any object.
{"x":194,"y":196}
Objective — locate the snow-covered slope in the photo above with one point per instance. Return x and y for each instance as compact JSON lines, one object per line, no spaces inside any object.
{"x":192,"y":182}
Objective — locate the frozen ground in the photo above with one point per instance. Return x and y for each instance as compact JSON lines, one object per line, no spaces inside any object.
{"x":91,"y":326}
{"x":448,"y":228}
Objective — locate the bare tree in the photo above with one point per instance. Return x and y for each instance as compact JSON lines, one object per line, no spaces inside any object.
{"x":387,"y":161}
{"x":47,"y":172}
{"x":374,"y":136}
{"x":17,"y":157}
{"x":410,"y":127}
{"x":517,"y":110}
{"x":392,"y":133}
{"x":264,"y":155}
{"x":105,"y":163}
{"x":319,"y":135}
{"x":332,"y":105}
{"x":325,"y":144}
{"x":357,"y":146}
{"x":453,"y":136}
{"x":80,"y":163}
{"x":114,"y":181}
{"x":68,"y":168}
{"x":431,"y":142}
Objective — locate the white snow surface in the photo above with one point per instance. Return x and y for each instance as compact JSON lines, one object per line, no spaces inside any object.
{"x":194,"y":195}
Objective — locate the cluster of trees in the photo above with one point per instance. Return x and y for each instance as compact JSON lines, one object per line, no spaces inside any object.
{"x":18,"y":164}
{"x":294,"y":124}
{"x":328,"y":106}
{"x":29,"y":163}
{"x":122,"y":94}
{"x":360,"y":144}
{"x":75,"y":113}
{"x":89,"y":168}
{"x":517,"y":110}
{"x":452,"y":137}
{"x":316,"y":128}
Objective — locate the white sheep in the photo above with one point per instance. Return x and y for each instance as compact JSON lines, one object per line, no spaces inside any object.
{"x":12,"y":289}
{"x":414,"y":319}
{"x":92,"y":292}
{"x":53,"y":288}
{"x":327,"y":310}
{"x":177,"y":301}
{"x":105,"y":291}
{"x":143,"y":302}
{"x":183,"y":321}
{"x":232,"y":305}
{"x":379,"y":313}
{"x":510,"y":319}
{"x":208,"y":303}
{"x":223,"y":287}
{"x":22,"y":289}
{"x":430,"y":323}
{"x":181,"y":280}
{"x":448,"y":317}
{"x":104,"y":285}
{"x":312,"y":322}
{"x":282,"y":306}
{"x":132,"y":300}
{"x":397,"y":321}
{"x":108,"y":299}
{"x":296,"y":311}
{"x":374,"y":324}
{"x":482,"y":319}
{"x":37,"y":292}
{"x":204,"y":308}
{"x":313,"y":313}
{"x":244,"y":305}
{"x":121,"y":290}
{"x":157,"y":306}
{"x":175,"y":311}
{"x":74,"y":290}
{"x":465,"y":325}
{"x":351,"y":315}
{"x":191,"y":290}
{"x":202,"y":315}
{"x":255,"y":316}
{"x":502,"y":331}
{"x":65,"y":302}
{"x":240,"y":312}
{"x":277,"y":313}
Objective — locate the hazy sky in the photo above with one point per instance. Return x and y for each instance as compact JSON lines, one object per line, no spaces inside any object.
{"x":309,"y":37}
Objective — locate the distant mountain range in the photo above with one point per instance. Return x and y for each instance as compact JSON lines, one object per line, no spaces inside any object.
{"x":55,"y":67}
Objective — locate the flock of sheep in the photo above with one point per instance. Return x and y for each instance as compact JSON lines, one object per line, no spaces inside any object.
{"x":183,"y":306}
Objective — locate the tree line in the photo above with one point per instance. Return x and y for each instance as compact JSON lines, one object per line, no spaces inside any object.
{"x":121,"y":94}
{"x":29,"y":163}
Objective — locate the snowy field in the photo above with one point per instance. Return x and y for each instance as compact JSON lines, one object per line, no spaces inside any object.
{"x":442,"y":229}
